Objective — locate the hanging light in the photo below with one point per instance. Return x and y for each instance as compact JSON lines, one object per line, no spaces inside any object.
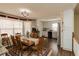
{"x":24,"y":12}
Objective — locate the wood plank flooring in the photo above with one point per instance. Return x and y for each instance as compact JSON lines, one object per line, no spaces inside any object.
{"x":58,"y":51}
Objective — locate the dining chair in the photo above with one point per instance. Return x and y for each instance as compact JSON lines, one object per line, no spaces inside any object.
{"x":13,"y":50}
{"x":5,"y":40}
{"x":39,"y":47}
{"x":19,"y":45}
{"x":14,"y":40}
{"x":34,"y":34}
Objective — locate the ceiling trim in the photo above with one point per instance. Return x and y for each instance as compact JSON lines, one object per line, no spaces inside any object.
{"x":2,"y":14}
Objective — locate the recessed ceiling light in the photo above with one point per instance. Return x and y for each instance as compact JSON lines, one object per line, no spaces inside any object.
{"x":24,"y":10}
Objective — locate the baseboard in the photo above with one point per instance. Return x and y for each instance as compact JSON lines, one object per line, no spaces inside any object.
{"x":67,"y":49}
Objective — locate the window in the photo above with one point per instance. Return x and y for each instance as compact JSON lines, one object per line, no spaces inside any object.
{"x":10,"y":26}
{"x":5,"y":26}
{"x":27,"y":27}
{"x":17,"y":26}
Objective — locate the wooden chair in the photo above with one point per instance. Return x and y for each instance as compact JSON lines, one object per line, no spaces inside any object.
{"x":13,"y":50}
{"x":14,"y":40}
{"x":19,"y":45}
{"x":34,"y":35}
{"x":39,"y":47}
{"x":4,"y":34}
{"x":5,"y":40}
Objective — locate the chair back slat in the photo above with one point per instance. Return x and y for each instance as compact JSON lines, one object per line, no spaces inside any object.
{"x":13,"y":40}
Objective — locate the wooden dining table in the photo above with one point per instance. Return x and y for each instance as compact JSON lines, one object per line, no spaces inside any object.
{"x":29,"y":41}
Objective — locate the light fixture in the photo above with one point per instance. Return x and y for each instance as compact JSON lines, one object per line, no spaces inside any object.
{"x":24,"y":12}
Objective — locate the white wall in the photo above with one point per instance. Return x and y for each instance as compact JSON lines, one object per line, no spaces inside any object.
{"x":68,"y":29}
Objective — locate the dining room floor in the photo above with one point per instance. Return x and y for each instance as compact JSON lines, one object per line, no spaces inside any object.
{"x":56,"y":51}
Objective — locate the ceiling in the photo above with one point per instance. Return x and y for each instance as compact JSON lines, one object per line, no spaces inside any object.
{"x":39,"y":10}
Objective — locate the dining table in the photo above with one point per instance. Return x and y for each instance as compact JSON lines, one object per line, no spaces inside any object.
{"x":29,"y":41}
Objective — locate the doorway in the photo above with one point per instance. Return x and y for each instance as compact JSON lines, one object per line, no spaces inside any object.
{"x":56,"y":33}
{"x":52,"y":30}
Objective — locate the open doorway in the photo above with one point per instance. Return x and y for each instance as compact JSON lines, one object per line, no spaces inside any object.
{"x":52,"y":30}
{"x":56,"y":33}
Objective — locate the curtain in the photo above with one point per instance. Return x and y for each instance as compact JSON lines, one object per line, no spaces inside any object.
{"x":10,"y":26}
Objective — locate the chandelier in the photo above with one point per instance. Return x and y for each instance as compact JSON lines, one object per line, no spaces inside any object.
{"x":25,"y":12}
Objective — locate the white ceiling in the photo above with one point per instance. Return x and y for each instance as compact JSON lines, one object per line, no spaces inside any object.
{"x":39,"y":10}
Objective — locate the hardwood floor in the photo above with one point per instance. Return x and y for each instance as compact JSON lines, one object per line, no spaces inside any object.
{"x":65,"y":53}
{"x":57,"y":51}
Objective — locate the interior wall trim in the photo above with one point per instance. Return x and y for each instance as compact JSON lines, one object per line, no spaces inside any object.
{"x":2,"y":14}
